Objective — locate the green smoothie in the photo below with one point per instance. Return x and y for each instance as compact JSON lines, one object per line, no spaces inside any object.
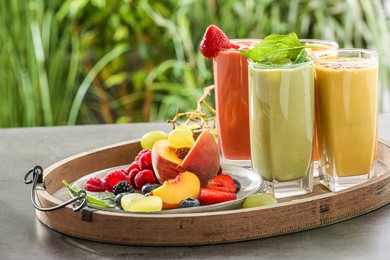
{"x":281,"y":100}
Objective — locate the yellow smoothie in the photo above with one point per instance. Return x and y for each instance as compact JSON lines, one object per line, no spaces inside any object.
{"x":347,"y":102}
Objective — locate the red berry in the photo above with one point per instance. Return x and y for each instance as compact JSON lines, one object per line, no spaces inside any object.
{"x":222,"y":182}
{"x":145,"y":161}
{"x":113,"y":178}
{"x":144,"y":177}
{"x":133,"y":165}
{"x":95,"y":184}
{"x":132,"y":174}
{"x":209,"y":197}
{"x":214,"y":40}
{"x":141,"y":153}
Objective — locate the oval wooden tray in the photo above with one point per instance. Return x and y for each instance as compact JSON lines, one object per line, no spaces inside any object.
{"x":319,"y":208}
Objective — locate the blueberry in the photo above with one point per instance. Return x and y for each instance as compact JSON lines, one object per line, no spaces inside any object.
{"x":118,"y":198}
{"x":147,"y":188}
{"x":189,"y":203}
{"x":238,"y":185}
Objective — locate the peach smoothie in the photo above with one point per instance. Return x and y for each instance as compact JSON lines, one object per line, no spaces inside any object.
{"x":282,"y":123}
{"x":347,"y":92}
{"x":313,"y":46}
{"x":231,"y":98}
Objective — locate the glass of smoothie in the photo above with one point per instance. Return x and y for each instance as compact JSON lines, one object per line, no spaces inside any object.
{"x":347,"y":95}
{"x":281,"y":115}
{"x":230,"y":69}
{"x":315,"y":45}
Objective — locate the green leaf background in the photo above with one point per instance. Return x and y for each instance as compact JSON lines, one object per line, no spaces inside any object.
{"x":65,"y":62}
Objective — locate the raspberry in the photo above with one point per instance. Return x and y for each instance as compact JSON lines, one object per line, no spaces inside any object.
{"x":113,"y":178}
{"x":144,"y":177}
{"x":121,"y":187}
{"x":145,"y":161}
{"x":133,"y":165}
{"x":95,"y":184}
{"x":141,"y":153}
{"x":132,"y":174}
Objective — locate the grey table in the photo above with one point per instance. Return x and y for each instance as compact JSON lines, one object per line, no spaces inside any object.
{"x":22,"y":236}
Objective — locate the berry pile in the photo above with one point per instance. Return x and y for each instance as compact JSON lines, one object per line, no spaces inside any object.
{"x":139,"y":173}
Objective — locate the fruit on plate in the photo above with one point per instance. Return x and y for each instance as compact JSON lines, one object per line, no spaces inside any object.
{"x":95,"y":184}
{"x":222,"y":182}
{"x":165,"y":161}
{"x":209,"y":197}
{"x":145,"y":204}
{"x":112,"y":178}
{"x":129,"y":198}
{"x":180,"y":137}
{"x":148,"y":139}
{"x":214,"y":40}
{"x":172,"y":192}
{"x":202,"y":159}
{"x":258,"y":200}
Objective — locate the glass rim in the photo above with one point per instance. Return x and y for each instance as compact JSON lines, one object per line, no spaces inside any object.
{"x":251,"y":40}
{"x":319,"y":41}
{"x":320,"y":56}
{"x":258,"y":65}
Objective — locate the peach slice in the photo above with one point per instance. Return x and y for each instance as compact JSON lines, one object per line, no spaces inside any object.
{"x":203,"y":159}
{"x":165,"y":161}
{"x":185,"y":185}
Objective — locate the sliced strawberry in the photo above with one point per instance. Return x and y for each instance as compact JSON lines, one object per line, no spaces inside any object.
{"x":222,"y":182}
{"x":214,"y":40}
{"x":95,"y":184}
{"x":209,"y":197}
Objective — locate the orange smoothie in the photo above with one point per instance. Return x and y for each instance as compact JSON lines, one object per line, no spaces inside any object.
{"x":231,"y":96}
{"x":347,"y":91}
{"x":313,"y":46}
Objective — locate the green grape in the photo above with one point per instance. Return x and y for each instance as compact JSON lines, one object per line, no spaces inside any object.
{"x":181,"y":137}
{"x":184,"y":127}
{"x":148,"y":140}
{"x":146,"y":204}
{"x":128,"y":199}
{"x":258,"y":200}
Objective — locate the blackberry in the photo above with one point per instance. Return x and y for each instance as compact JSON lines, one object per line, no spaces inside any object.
{"x":238,"y":185}
{"x":121,"y":187}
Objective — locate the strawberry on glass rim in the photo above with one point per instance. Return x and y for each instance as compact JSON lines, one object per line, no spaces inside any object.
{"x":213,"y":41}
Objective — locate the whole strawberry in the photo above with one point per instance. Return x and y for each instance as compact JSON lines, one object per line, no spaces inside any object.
{"x":95,"y":184}
{"x":214,"y":40}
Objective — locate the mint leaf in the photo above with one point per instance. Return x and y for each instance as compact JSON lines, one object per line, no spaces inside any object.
{"x":101,"y":199}
{"x":275,"y":47}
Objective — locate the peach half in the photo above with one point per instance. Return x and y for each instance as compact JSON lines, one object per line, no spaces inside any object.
{"x":203,"y":159}
{"x":185,"y":185}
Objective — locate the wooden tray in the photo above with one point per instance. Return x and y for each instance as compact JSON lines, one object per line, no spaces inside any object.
{"x":319,"y":208}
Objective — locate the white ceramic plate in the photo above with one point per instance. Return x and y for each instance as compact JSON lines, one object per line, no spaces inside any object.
{"x":250,"y":183}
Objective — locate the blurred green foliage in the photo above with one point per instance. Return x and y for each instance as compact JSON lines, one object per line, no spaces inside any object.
{"x":102,"y":61}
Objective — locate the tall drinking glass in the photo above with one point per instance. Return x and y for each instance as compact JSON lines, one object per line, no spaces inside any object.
{"x":231,"y":97}
{"x":314,"y":45}
{"x":281,"y":116}
{"x":347,"y":87}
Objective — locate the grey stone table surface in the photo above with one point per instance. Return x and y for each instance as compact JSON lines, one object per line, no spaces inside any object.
{"x":23,"y":236}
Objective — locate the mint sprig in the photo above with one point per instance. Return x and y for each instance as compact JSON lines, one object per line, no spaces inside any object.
{"x":276,"y":47}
